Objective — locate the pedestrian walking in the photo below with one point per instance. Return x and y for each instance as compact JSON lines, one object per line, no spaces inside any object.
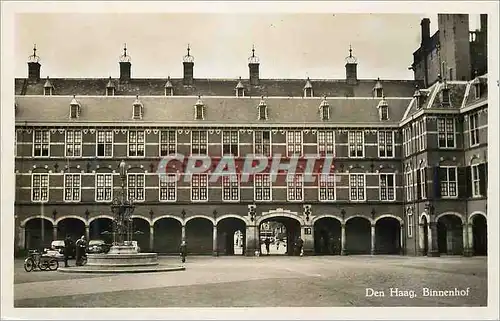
{"x":183,"y":251}
{"x":299,"y":245}
{"x":267,"y":242}
{"x":68,"y":244}
{"x":81,"y":246}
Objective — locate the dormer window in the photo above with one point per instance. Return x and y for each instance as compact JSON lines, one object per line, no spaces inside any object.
{"x":240,"y":89}
{"x":169,"y":88}
{"x":110,"y":88}
{"x":477,"y":88}
{"x":383,"y":109}
{"x":262,"y":108}
{"x":137,"y":109}
{"x":199,"y":109}
{"x":74,"y":109}
{"x":378,"y":90}
{"x":445,"y":96}
{"x":419,"y":98}
{"x":324,"y":109}
{"x":308,"y":90}
{"x":48,"y":89}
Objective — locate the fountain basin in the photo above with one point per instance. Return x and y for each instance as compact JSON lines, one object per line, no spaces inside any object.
{"x":122,"y":259}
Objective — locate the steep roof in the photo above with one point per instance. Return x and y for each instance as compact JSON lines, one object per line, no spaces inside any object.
{"x":470,"y":98}
{"x":225,"y":110}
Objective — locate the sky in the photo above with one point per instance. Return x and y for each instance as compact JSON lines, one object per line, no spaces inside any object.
{"x":87,"y":45}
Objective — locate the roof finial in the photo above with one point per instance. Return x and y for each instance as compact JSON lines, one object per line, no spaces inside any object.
{"x":125,"y":57}
{"x":34,"y":50}
{"x":253,"y":50}
{"x":350,"y":50}
{"x":125,"y":50}
{"x":34,"y":57}
{"x":188,"y":49}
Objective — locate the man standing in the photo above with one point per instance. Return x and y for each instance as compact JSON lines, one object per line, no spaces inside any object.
{"x":81,"y":245}
{"x":183,"y":251}
{"x":67,"y":249}
{"x":299,"y":244}
{"x":267,"y":242}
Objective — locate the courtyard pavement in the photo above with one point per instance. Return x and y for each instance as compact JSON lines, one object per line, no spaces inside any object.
{"x":266,"y":281}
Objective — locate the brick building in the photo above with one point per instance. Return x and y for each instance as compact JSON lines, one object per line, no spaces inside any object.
{"x":409,"y":174}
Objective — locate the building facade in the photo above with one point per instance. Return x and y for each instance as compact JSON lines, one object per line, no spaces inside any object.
{"x":409,"y":174}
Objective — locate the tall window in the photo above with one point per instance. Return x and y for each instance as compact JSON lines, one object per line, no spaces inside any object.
{"x":104,"y":187}
{"x":167,"y":142}
{"x":385,"y":144}
{"x":72,"y":185}
{"x":327,"y":187}
{"x":230,"y":188}
{"x":41,"y":143}
{"x":295,"y":187}
{"x":262,"y":140}
{"x":446,"y":132}
{"x":199,"y":142}
{"x":262,"y":187}
{"x":387,"y":187}
{"x":73,"y":143}
{"x":135,"y":187}
{"x":421,"y":183}
{"x":476,"y":188}
{"x":105,"y":143}
{"x":199,"y":187}
{"x":448,"y":180}
{"x":136,"y":143}
{"x":420,"y":135}
{"x":409,"y":218}
{"x":356,"y":144}
{"x":357,"y":187}
{"x":294,"y":143}
{"x":230,"y":142}
{"x":407,"y":141}
{"x":326,"y":142}
{"x":474,"y":129}
{"x":40,"y":187}
{"x":409,"y":185}
{"x":168,"y":187}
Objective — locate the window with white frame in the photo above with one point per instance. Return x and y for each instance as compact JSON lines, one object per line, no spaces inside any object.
{"x":295,"y":187}
{"x":135,"y":187}
{"x":477,"y":91}
{"x":474,"y":129}
{"x":104,"y":187}
{"x":476,"y":189}
{"x":420,"y":135}
{"x":73,"y":143}
{"x":326,"y":142}
{"x":387,"y":187}
{"x":294,"y":143}
{"x":446,"y":132}
{"x":409,"y":185}
{"x":168,"y":140}
{"x":199,"y":187}
{"x":407,"y":140}
{"x":72,"y":187}
{"x":136,"y":143}
{"x":448,"y":181}
{"x":357,"y":187}
{"x":41,"y":143}
{"x":230,"y":142}
{"x":168,"y":187}
{"x":326,"y":187}
{"x":105,"y":143}
{"x":356,"y":144}
{"x":39,"y":187}
{"x":386,"y":144}
{"x":421,"y":183}
{"x":409,"y":220}
{"x":262,"y":187}
{"x":262,"y":145}
{"x":199,"y":142}
{"x":230,"y":188}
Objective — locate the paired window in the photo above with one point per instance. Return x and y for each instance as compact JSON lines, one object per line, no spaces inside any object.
{"x":135,"y":187}
{"x":230,"y":188}
{"x":387,"y":187}
{"x":474,"y":129}
{"x":167,"y":142}
{"x":357,"y":187}
{"x":262,"y":142}
{"x":105,"y":143}
{"x":136,"y":143}
{"x":199,"y":142}
{"x":294,"y":143}
{"x":420,"y":130}
{"x":168,"y":187}
{"x":295,"y":187}
{"x":41,"y":143}
{"x":421,"y":183}
{"x":72,"y":186}
{"x":409,"y":218}
{"x":448,"y":181}
{"x":407,"y":141}
{"x":326,"y":142}
{"x":386,"y":144}
{"x":199,"y":187}
{"x":40,"y":187}
{"x":356,"y":144}
{"x":230,"y":142}
{"x":104,"y":187}
{"x":327,"y":187}
{"x":446,"y":132}
{"x":409,"y":185}
{"x":476,"y":187}
{"x":262,"y":187}
{"x":73,"y":143}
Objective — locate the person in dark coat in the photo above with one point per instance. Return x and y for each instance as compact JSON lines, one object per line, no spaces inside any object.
{"x":299,"y":244}
{"x":183,"y":251}
{"x":267,"y":242}
{"x":81,"y":246}
{"x":68,"y":244}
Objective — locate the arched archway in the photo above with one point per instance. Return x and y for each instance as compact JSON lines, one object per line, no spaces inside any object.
{"x":450,"y":235}
{"x":71,"y":226}
{"x":479,"y":235}
{"x":358,"y":235}
{"x":387,"y":236}
{"x":101,"y":229}
{"x":38,"y":233}
{"x":327,"y":236}
{"x":167,"y":235}
{"x":282,"y":232}
{"x":231,"y":232}
{"x":199,"y":236}
{"x":140,"y":233}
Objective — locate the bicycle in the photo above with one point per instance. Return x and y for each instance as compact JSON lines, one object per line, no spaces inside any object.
{"x":36,"y":259}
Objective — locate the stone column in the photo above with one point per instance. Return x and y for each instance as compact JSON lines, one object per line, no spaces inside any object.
{"x":183,"y":232}
{"x":402,"y":239}
{"x":252,"y":240}
{"x":421,"y":240}
{"x":372,"y":250}
{"x":470,"y":238}
{"x":22,"y":238}
{"x":214,"y":242}
{"x":308,"y":240}
{"x":343,"y":250}
{"x":449,"y":240}
{"x":54,"y":232}
{"x":87,"y":232}
{"x":151,"y":238}
{"x":433,"y":240}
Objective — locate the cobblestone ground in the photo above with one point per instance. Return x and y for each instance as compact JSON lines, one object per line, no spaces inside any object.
{"x":267,"y":281}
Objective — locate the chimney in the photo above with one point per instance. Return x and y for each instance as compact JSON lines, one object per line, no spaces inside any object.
{"x":253,"y":67}
{"x":125,"y":65}
{"x":351,"y":68}
{"x":34,"y":66}
{"x":426,"y":31}
{"x":188,"y":62}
